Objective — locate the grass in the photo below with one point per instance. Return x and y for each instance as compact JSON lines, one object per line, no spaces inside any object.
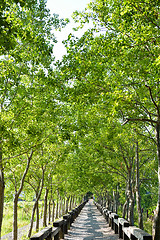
{"x":147,"y":222}
{"x":24,"y":216}
{"x":148,"y":226}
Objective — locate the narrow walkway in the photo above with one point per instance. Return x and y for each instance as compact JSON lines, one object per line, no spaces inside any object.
{"x":90,"y":225}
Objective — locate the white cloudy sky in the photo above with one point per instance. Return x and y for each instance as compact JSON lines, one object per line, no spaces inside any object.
{"x":64,"y":8}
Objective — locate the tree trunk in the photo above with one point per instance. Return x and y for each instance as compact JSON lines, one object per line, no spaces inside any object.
{"x":73,"y":202}
{"x":2,"y":186}
{"x":53,"y":210}
{"x":36,"y":208}
{"x":60,"y":207}
{"x":16,"y":196}
{"x":42,"y":207}
{"x":57,"y":216}
{"x":125,"y":209}
{"x":37,"y":216}
{"x":32,"y":219}
{"x":45,"y":208}
{"x":63,"y":206}
{"x":156,"y":225}
{"x":131,"y":201}
{"x":66,"y":207}
{"x":49,"y":212}
{"x":70,"y":205}
{"x":105,"y":199}
{"x":15,"y":216}
{"x":108,"y":201}
{"x":131,"y":211}
{"x":115,"y":200}
{"x":138,"y":197}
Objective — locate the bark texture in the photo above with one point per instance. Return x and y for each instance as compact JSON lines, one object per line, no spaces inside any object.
{"x":138,"y":196}
{"x":45,"y":208}
{"x":36,"y":208}
{"x":16,"y":196}
{"x":2,"y":187}
{"x":53,"y":210}
{"x":156,"y":225}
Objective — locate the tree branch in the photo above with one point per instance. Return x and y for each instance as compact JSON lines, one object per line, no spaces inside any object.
{"x":155,"y":104}
{"x":149,"y":19}
{"x":25,"y":152}
{"x":25,"y":173}
{"x":139,"y":120}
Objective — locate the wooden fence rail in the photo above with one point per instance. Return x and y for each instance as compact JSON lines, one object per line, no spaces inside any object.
{"x":60,"y":227}
{"x":121,"y":226}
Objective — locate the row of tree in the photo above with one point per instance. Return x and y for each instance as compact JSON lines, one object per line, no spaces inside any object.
{"x":112,"y":73}
{"x":31,"y":144}
{"x":92,"y":121}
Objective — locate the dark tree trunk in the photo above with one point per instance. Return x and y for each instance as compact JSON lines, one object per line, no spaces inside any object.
{"x":105,"y":200}
{"x":108,"y":201}
{"x":70,"y":205}
{"x":2,"y":186}
{"x":53,"y":210}
{"x":32,"y":219}
{"x":37,"y":216}
{"x":49,"y":212}
{"x":36,"y":208}
{"x":66,"y":207}
{"x":45,"y":208}
{"x":16,"y":196}
{"x":138,"y":196}
{"x":57,"y":205}
{"x":15,"y":216}
{"x":73,"y":202}
{"x":116,"y":200}
{"x":131,"y":200}
{"x":131,"y":211}
{"x":156,"y":225}
{"x":42,"y":207}
{"x":60,"y":207}
{"x":125,"y":209}
{"x":63,"y":206}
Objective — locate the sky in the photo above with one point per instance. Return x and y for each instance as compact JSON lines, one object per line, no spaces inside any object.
{"x":65,"y":8}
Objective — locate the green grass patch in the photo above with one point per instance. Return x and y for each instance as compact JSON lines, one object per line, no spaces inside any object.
{"x":24,"y":216}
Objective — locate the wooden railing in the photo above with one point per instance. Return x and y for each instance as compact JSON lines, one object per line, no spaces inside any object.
{"x":121,"y":226}
{"x":60,"y":227}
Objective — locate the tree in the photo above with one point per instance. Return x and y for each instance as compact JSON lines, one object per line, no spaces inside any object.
{"x":119,"y":59}
{"x":37,"y":185}
{"x":26,"y":57}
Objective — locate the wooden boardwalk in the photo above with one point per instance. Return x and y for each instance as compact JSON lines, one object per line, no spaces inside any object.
{"x":90,"y":225}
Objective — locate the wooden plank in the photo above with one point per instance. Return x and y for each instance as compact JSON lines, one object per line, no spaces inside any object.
{"x":44,"y":233}
{"x":55,"y":230}
{"x":114,"y":215}
{"x":137,"y":232}
{"x":58,"y":223}
{"x":123,"y":222}
{"x":140,"y":234}
{"x":127,"y":231}
{"x":116,"y":221}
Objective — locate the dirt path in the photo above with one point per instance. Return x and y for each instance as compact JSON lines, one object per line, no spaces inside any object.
{"x":90,"y":225}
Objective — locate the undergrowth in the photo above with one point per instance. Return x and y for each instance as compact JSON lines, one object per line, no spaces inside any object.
{"x":24,"y":216}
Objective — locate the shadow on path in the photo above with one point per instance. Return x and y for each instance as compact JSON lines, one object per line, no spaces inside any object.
{"x":90,"y":225}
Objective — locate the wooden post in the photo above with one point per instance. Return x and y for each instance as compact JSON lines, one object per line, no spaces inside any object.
{"x":60,"y":224}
